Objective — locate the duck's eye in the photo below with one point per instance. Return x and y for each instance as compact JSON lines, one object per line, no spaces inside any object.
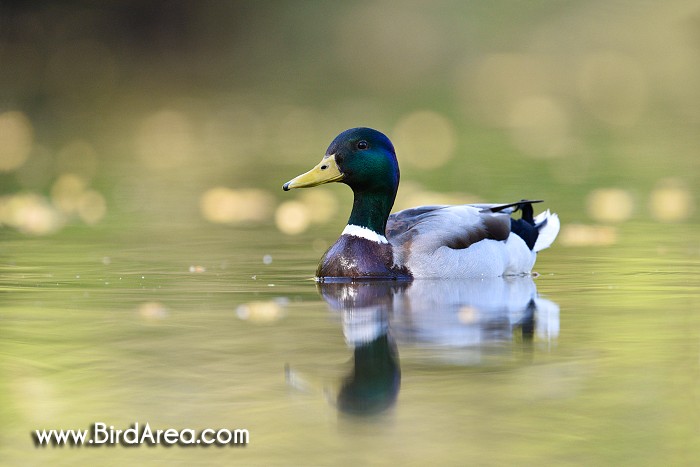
{"x":362,"y":144}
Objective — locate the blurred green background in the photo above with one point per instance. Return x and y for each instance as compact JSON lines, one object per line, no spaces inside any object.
{"x":152,"y":269}
{"x":201,"y":110}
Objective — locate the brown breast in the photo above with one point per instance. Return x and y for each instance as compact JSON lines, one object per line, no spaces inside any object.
{"x":359,"y":258}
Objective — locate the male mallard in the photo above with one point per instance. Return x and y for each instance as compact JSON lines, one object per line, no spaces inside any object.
{"x":470,"y":240}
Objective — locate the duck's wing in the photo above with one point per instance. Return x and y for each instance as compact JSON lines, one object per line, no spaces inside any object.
{"x":469,"y":240}
{"x":427,"y":228}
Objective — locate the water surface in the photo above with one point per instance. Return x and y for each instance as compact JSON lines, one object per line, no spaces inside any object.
{"x":594,"y":361}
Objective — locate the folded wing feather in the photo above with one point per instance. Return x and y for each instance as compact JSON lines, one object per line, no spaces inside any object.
{"x":424,"y":229}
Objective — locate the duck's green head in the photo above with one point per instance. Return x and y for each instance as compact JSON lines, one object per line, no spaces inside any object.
{"x":362,"y":158}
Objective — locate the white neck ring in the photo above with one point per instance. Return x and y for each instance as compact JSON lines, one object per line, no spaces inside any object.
{"x":364,"y":232}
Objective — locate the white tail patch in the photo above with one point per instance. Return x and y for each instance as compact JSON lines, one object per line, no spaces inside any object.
{"x":548,"y":231}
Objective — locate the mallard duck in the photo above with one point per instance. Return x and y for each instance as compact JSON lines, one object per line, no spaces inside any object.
{"x":457,"y":241}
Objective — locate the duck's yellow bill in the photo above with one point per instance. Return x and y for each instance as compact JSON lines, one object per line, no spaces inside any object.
{"x":325,"y":171}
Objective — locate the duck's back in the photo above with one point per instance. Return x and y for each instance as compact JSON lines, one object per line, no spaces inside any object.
{"x":458,"y":241}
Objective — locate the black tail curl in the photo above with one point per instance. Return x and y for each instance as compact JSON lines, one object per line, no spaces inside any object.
{"x":524,"y":205}
{"x":524,"y":227}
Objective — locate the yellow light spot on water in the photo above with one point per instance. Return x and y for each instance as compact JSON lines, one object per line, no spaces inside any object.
{"x":468,"y":315}
{"x":588,"y":235}
{"x":30,"y":213}
{"x":671,"y":201}
{"x":153,"y":311}
{"x":66,"y":192}
{"x":262,"y":311}
{"x":92,"y":207}
{"x":70,"y":195}
{"x":36,"y":398}
{"x":16,"y":139}
{"x":540,"y":127}
{"x":610,"y":205}
{"x":614,"y":87}
{"x":292,"y":217}
{"x":425,"y":139}
{"x":223,"y":205}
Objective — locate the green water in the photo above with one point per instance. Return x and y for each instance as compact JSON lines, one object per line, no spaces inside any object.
{"x":188,"y":327}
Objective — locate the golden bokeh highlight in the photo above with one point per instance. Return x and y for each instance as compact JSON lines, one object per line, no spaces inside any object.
{"x":30,"y":213}
{"x":66,"y":192}
{"x":153,"y":311}
{"x":468,"y":315}
{"x":578,"y":235}
{"x":70,"y":195}
{"x":316,"y":206}
{"x":322,"y":204}
{"x":16,"y":139}
{"x":262,"y":311}
{"x":293,"y":217}
{"x":38,"y":397}
{"x":610,"y":205}
{"x":671,"y":201}
{"x":222,"y":205}
{"x":92,"y":207}
{"x":425,"y":139}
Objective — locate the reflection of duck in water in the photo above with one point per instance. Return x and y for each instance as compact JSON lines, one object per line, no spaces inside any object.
{"x":424,"y":242}
{"x":447,"y":316}
{"x":461,"y":313}
{"x":374,"y":381}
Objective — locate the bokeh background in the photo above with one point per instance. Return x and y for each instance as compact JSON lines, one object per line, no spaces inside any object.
{"x":153,"y":270}
{"x":159,"y":111}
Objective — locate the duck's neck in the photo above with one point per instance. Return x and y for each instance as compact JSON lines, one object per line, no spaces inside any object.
{"x":371,"y":210}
